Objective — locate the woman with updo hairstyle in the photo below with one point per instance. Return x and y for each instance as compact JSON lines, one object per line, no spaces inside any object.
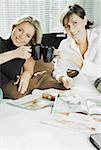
{"x":80,"y":52}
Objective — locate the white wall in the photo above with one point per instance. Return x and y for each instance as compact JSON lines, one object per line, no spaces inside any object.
{"x":47,"y":11}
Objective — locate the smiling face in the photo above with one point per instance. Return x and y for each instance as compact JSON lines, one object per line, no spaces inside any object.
{"x":75,"y":26}
{"x":22,"y":34}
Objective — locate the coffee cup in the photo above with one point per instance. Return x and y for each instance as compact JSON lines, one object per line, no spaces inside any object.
{"x":48,"y":54}
{"x":36,"y":51}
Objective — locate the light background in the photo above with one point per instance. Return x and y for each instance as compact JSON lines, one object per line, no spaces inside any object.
{"x":47,"y":11}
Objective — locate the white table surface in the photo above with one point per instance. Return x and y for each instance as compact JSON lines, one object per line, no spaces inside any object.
{"x":21,"y":129}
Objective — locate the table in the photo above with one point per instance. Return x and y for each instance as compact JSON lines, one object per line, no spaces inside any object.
{"x":21,"y":129}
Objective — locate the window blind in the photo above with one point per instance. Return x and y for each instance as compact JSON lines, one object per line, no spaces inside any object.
{"x":47,"y":11}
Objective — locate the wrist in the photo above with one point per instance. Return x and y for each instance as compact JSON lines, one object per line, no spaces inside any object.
{"x":28,"y":74}
{"x":65,"y":78}
{"x":14,"y":54}
{"x":61,"y":79}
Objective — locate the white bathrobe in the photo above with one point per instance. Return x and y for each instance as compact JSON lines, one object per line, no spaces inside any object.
{"x":90,"y":65}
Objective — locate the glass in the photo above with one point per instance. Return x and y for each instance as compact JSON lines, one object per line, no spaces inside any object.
{"x":36,"y":51}
{"x":48,"y":53}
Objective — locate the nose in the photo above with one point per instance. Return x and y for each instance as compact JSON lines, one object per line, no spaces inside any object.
{"x":72,"y":29}
{"x":22,"y":36}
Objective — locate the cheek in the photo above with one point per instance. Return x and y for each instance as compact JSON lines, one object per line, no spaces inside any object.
{"x":67,"y":31}
{"x":27,"y":40}
{"x":13,"y":34}
{"x":81,"y":25}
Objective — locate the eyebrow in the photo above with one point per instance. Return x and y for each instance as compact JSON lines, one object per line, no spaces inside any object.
{"x":29,"y":34}
{"x":72,"y":19}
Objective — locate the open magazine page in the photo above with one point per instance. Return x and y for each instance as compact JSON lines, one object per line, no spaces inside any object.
{"x":36,"y":100}
{"x":75,"y":121}
{"x":94,"y":108}
{"x":64,"y":113}
{"x":70,"y":102}
{"x":83,"y":97}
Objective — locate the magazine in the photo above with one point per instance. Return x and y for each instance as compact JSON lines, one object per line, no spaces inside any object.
{"x":75,"y":102}
{"x":37,"y":100}
{"x":75,"y":121}
{"x":76,"y":111}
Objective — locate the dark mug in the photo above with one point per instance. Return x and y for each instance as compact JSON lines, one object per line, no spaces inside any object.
{"x":97,"y":84}
{"x":36,"y":51}
{"x":72,"y":73}
{"x":48,"y":54}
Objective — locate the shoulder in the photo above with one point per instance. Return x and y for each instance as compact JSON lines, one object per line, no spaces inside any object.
{"x":63,"y":42}
{"x":1,"y":39}
{"x":96,"y":30}
{"x":94,"y":34}
{"x":3,"y":45}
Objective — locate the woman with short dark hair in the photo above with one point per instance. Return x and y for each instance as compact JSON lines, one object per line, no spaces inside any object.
{"x":81,"y":50}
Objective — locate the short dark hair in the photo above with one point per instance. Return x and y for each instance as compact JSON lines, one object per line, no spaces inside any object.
{"x":78,"y":10}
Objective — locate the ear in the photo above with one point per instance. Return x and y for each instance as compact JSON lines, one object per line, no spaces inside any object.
{"x":85,"y":20}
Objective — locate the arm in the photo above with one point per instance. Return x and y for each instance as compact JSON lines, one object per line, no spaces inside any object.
{"x":29,"y":66}
{"x":22,"y":52}
{"x":60,"y":73}
{"x":92,"y":61}
{"x":28,"y":70}
{"x":92,"y":69}
{"x":62,"y":63}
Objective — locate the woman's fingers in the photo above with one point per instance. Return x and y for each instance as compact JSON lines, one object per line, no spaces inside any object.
{"x":67,"y":82}
{"x":23,"y":85}
{"x":17,"y":81}
{"x":24,"y":52}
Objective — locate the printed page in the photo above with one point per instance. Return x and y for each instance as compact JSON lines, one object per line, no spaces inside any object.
{"x":94,"y":108}
{"x":70,"y":102}
{"x":31,"y":102}
{"x":79,"y":122}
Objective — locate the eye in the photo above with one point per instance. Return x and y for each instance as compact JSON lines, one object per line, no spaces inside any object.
{"x":28,"y":36}
{"x":20,"y":29}
{"x":74,"y":22}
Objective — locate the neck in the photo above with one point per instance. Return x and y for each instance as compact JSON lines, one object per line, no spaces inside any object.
{"x":83,"y":44}
{"x":82,"y":40}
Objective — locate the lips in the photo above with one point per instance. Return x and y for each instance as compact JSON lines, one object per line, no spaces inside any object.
{"x":18,"y":40}
{"x":74,"y":34}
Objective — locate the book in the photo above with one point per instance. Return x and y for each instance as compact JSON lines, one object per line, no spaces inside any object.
{"x":36,"y":100}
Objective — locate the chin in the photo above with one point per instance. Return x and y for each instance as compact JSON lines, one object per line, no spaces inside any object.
{"x":16,"y":44}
